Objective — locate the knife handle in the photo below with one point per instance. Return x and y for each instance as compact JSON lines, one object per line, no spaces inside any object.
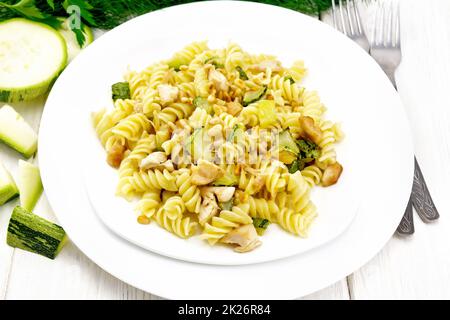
{"x":421,"y":198}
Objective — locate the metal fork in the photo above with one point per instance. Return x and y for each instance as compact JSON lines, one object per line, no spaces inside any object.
{"x":349,"y":22}
{"x":386,"y":51}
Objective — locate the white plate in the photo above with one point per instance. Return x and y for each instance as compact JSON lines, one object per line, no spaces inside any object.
{"x":336,"y":206}
{"x":384,"y":161}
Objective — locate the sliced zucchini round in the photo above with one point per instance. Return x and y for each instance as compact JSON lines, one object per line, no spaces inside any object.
{"x":73,"y":48}
{"x":32,"y":55}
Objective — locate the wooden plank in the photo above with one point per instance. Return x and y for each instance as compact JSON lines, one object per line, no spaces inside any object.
{"x":337,"y":291}
{"x":418,"y":267}
{"x":32,"y":113}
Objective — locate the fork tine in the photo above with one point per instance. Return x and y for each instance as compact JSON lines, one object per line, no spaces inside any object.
{"x":378,"y":30}
{"x":396,"y":27}
{"x":358,"y":20}
{"x":341,"y":10}
{"x":333,"y":9}
{"x":349,"y":16}
{"x":388,"y":39}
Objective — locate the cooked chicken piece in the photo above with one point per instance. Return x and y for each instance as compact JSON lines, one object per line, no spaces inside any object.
{"x":209,"y":207}
{"x":275,"y":66}
{"x":245,"y":237}
{"x":206,"y":213}
{"x":115,"y":155}
{"x":153,"y":160}
{"x":218,"y":79}
{"x":234,"y":108}
{"x":205,"y":172}
{"x":223,"y":194}
{"x":167,"y":93}
{"x":310,"y":130}
{"x":331,"y":174}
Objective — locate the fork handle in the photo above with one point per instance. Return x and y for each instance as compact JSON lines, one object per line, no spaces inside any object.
{"x":421,"y":198}
{"x":406,"y":226}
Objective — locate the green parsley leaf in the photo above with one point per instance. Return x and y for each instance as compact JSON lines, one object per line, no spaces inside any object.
{"x":120,"y":90}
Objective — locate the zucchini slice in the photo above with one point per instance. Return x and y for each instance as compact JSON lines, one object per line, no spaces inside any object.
{"x":287,"y":148}
{"x":253,"y":96}
{"x":260,"y":225}
{"x":16,"y":133}
{"x":73,"y":48}
{"x":30,"y":232}
{"x":8,"y":188}
{"x":32,"y":55}
{"x":30,"y":185}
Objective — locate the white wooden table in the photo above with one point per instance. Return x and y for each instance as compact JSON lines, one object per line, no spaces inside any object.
{"x":416,"y":267}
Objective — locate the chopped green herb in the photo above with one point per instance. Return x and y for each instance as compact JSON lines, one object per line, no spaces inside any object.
{"x":121,"y":90}
{"x":291,"y":80}
{"x":294,"y":166}
{"x":260,"y":225}
{"x":215,"y":61}
{"x":308,"y":149}
{"x":242,"y":74}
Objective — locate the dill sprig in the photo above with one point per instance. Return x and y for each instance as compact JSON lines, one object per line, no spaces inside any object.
{"x":107,"y":14}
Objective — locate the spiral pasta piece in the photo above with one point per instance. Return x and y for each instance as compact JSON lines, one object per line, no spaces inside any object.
{"x":202,"y":83}
{"x":132,"y":127}
{"x":173,"y":208}
{"x":190,"y":194}
{"x":263,"y":208}
{"x":225,"y":222}
{"x":234,"y":57}
{"x":326,"y":143}
{"x":188,"y":53}
{"x":312,"y":174}
{"x":312,"y":107}
{"x":159,"y":76}
{"x":174,"y":112}
{"x":275,"y":179}
{"x":182,"y":227}
{"x":297,"y":71}
{"x":152,"y":180}
{"x":299,"y":189}
{"x":149,"y":203}
{"x":291,"y":92}
{"x":296,"y":223}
